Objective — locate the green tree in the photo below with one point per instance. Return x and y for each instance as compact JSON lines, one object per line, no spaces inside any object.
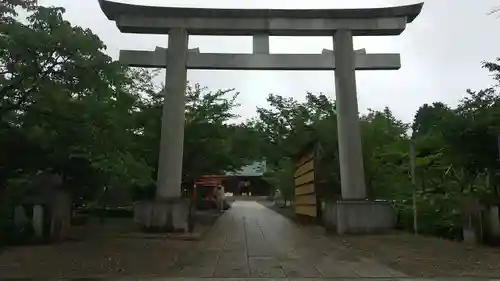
{"x":65,"y":103}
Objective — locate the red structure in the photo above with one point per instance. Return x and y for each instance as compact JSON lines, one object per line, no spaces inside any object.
{"x":204,"y":188}
{"x":210,"y":180}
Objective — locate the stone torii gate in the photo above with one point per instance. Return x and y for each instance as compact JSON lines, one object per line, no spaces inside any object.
{"x":351,"y":214}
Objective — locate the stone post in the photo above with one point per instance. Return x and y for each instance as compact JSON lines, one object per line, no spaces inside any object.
{"x":260,"y":44}
{"x":351,"y":158}
{"x":38,"y":220}
{"x":173,"y":118}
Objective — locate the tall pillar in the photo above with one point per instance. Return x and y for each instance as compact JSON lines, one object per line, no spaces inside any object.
{"x":351,"y":158}
{"x":173,"y":117}
{"x":352,"y":213}
{"x":260,"y":44}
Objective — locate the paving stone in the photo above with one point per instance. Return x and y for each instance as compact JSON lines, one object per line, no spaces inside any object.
{"x":197,"y":271}
{"x":285,"y":279}
{"x":232,"y":271}
{"x":236,"y":246}
{"x":260,"y":251}
{"x":232,"y":264}
{"x":265,"y":267}
{"x":344,"y":279}
{"x":335,"y":268}
{"x":200,"y":258}
{"x":260,"y":248}
{"x":299,"y":268}
{"x":215,"y":243}
{"x":368,"y":268}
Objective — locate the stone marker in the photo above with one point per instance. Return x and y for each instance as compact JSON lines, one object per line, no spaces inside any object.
{"x":495,"y":221}
{"x":20,"y":218}
{"x":38,"y":220}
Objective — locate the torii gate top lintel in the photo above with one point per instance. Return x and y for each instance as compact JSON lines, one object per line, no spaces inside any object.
{"x":278,"y":22}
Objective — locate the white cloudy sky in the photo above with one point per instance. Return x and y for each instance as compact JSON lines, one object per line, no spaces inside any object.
{"x":440,"y":51}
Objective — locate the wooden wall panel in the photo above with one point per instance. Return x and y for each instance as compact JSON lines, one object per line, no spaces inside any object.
{"x":308,"y":166}
{"x":306,"y":178}
{"x":304,"y":189}
{"x":306,"y":199}
{"x":307,"y":210}
{"x":305,"y":158}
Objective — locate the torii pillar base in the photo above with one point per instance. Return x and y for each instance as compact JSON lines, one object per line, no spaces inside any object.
{"x":165,"y":215}
{"x":358,"y":216}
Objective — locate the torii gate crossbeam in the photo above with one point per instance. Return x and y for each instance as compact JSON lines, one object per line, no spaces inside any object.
{"x":214,"y":61}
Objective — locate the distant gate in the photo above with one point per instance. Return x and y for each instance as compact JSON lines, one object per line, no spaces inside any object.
{"x":305,"y":178}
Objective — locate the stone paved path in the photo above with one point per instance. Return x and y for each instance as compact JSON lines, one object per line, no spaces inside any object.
{"x":252,"y":241}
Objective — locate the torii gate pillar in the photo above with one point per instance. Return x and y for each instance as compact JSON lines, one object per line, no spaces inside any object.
{"x":170,"y":211}
{"x":172,"y":124}
{"x":353,"y":213}
{"x":349,"y":137}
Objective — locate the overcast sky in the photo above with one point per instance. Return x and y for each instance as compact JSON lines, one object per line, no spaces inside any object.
{"x":441,"y":52}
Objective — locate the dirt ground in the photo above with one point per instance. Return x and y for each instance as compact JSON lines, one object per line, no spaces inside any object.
{"x":425,"y":256}
{"x":418,"y":256}
{"x":96,"y":251}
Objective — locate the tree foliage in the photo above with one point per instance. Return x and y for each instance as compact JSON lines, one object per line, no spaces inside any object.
{"x":67,"y":107}
{"x":456,"y":148}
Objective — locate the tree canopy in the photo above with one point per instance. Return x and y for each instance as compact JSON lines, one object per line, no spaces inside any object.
{"x":66,"y":106}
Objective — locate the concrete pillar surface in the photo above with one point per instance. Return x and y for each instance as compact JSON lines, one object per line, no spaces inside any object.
{"x":351,"y":157}
{"x":173,"y":118}
{"x":261,"y":44}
